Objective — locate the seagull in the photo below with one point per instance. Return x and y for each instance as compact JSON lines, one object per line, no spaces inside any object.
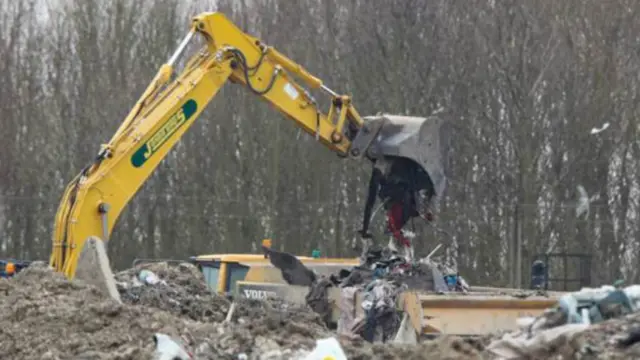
{"x":584,"y":201}
{"x":600,"y":129}
{"x":438,"y":110}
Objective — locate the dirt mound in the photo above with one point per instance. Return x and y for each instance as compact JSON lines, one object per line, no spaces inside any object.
{"x":612,"y":339}
{"x":445,"y":348}
{"x":183,"y":276}
{"x":45,"y":316}
{"x":602,"y":341}
{"x":183,"y":292}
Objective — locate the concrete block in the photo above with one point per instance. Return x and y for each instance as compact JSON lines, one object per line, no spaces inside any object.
{"x":93,"y":268}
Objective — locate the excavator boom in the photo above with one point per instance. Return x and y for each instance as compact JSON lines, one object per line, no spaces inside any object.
{"x":93,"y":201}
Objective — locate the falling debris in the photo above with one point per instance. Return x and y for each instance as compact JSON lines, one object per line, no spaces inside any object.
{"x":292,"y":269}
{"x":600,"y":129}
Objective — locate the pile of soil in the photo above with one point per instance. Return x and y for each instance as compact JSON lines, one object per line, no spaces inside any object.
{"x":605,"y":340}
{"x":612,"y":339}
{"x":182,"y":293}
{"x":45,"y":316}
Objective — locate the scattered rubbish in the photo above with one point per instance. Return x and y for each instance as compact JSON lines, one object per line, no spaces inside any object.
{"x":406,"y":333}
{"x":590,"y":305}
{"x":446,"y":279}
{"x":433,"y":252}
{"x":402,"y":200}
{"x":232,"y":308}
{"x":347,"y":306}
{"x":318,"y":299}
{"x":519,"y":345}
{"x":327,"y":349}
{"x":525,"y":322}
{"x":382,"y":321}
{"x":293,"y":270}
{"x":168,"y":349}
{"x":38,"y":305}
{"x":633,"y":337}
{"x":381,"y":277}
{"x":592,"y":321}
{"x":602,"y":128}
{"x":183,"y":292}
{"x":149,"y":278}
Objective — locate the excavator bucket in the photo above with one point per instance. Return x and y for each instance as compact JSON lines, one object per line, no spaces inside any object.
{"x":408,"y":145}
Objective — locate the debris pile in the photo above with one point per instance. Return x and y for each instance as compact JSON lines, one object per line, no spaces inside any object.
{"x":179,"y":289}
{"x":425,"y":275}
{"x":382,"y":276}
{"x":45,"y":316}
{"x":613,"y":339}
{"x":590,"y":323}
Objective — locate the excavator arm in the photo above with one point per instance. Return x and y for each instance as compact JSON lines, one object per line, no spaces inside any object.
{"x":172,"y":102}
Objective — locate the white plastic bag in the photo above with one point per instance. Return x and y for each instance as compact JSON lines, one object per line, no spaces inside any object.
{"x":168,"y":349}
{"x":149,"y":277}
{"x":633,"y":293}
{"x":327,"y":349}
{"x":524,"y":322}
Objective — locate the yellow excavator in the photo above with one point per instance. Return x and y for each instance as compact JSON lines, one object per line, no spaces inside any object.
{"x":405,"y":151}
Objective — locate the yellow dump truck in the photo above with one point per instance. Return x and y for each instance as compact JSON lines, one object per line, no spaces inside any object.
{"x":235,"y":273}
{"x":481,"y":311}
{"x":478,"y":313}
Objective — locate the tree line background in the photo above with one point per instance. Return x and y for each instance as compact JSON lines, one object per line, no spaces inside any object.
{"x":520,"y":83}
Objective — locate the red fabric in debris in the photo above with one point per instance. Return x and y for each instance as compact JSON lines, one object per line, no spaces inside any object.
{"x":394,"y":223}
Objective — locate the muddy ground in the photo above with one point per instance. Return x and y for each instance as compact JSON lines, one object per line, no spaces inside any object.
{"x":602,"y":341}
{"x":44,"y":316}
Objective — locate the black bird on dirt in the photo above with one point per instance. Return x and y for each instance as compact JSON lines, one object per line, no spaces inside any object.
{"x":293,"y":271}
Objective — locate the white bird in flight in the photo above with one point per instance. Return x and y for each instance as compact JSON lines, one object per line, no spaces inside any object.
{"x":600,"y":129}
{"x":584,"y":201}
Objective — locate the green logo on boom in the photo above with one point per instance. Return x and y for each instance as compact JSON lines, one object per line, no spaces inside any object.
{"x":164,"y":133}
